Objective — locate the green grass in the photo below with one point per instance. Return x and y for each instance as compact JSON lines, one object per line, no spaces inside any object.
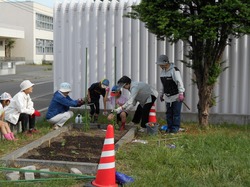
{"x":218,"y":156}
{"x":215,"y":157}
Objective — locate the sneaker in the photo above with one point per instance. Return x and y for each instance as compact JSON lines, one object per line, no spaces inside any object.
{"x":142,"y":130}
{"x":34,"y":131}
{"x":56,"y":127}
{"x":27,"y":133}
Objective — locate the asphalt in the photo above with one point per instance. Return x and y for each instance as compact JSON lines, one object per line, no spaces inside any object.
{"x":30,"y":72}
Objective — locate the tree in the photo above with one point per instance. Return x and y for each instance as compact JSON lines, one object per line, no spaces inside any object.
{"x":9,"y":44}
{"x":206,"y":26}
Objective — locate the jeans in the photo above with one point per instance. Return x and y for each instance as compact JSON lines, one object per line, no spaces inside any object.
{"x":173,"y":116}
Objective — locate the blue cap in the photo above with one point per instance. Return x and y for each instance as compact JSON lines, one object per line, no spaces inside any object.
{"x":105,"y":82}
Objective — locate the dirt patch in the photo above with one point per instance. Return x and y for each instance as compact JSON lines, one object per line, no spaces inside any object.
{"x":74,"y":146}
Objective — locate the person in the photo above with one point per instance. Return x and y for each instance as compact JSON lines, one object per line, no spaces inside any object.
{"x":117,"y":99}
{"x":58,"y":112}
{"x":172,"y":92}
{"x":21,"y":109}
{"x":5,"y":129}
{"x":94,"y":92}
{"x":141,"y":93}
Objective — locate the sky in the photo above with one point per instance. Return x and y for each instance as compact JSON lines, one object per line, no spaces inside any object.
{"x":48,"y":3}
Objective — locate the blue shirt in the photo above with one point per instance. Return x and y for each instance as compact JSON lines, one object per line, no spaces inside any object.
{"x":60,"y":104}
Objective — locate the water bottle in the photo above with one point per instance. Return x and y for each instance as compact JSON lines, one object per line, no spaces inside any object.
{"x":78,"y":118}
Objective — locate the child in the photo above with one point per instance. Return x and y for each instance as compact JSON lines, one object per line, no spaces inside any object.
{"x":58,"y":111}
{"x":116,"y":100}
{"x":21,"y":108}
{"x":94,"y":92}
{"x":5,"y":129}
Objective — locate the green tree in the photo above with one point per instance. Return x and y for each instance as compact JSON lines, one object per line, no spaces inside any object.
{"x":206,"y":26}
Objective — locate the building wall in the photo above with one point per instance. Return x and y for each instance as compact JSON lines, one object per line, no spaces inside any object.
{"x":23,"y":14}
{"x":93,"y":40}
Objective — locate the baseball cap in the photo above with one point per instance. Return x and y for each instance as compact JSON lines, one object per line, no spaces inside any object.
{"x":5,"y":96}
{"x":115,"y":90}
{"x":162,"y":60}
{"x":26,"y":84}
{"x":105,"y":82}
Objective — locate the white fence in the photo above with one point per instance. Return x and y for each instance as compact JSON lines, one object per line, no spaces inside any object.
{"x":92,"y":41}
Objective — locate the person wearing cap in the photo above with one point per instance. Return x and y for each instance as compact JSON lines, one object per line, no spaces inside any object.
{"x":58,"y":112}
{"x":94,"y":92}
{"x":142,"y":93}
{"x":21,"y":108}
{"x":116,"y":99}
{"x":5,"y":129}
{"x":172,"y":92}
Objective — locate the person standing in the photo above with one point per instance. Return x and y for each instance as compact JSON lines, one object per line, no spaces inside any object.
{"x":94,"y":92}
{"x":58,"y":112}
{"x":141,"y":93}
{"x":172,"y":92}
{"x":21,"y":108}
{"x":117,"y":99}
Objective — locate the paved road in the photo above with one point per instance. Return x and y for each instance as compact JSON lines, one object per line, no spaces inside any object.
{"x":40,"y":75}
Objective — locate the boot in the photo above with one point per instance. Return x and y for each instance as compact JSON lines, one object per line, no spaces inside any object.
{"x":12,"y":136}
{"x":122,"y":127}
{"x":7,"y":136}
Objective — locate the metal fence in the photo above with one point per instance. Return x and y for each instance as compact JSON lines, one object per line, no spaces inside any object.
{"x":93,"y":40}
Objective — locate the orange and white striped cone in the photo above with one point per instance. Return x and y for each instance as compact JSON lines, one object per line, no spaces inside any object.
{"x":152,"y":115}
{"x":105,"y":176}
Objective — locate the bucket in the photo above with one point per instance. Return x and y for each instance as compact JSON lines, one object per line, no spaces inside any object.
{"x":152,"y":128}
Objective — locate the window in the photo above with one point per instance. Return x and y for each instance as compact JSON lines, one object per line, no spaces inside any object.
{"x":44,"y":22}
{"x":44,"y":47}
{"x":1,"y":43}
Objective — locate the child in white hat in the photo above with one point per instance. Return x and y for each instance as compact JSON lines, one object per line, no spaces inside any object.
{"x":5,"y":129}
{"x":21,"y":108}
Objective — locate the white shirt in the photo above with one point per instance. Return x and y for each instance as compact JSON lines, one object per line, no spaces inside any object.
{"x":20,"y":103}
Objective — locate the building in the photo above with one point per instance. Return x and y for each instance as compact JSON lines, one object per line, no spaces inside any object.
{"x":30,"y":25}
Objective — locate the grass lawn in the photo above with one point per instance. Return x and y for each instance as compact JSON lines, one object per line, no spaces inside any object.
{"x":218,"y":156}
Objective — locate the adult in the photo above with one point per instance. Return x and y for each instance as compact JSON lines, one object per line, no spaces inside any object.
{"x":21,"y":109}
{"x":172,"y":92}
{"x":58,"y":112}
{"x":96,"y":90}
{"x":141,"y":93}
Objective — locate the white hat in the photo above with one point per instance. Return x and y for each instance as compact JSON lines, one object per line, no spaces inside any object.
{"x":65,"y":87}
{"x":162,"y":60}
{"x":25,"y":85}
{"x":5,"y":96}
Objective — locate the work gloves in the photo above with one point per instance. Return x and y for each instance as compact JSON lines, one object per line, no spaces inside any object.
{"x":181,"y":97}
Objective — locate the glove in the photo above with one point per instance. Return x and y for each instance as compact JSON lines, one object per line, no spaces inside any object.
{"x":80,"y":102}
{"x":36,"y":113}
{"x":105,"y":113}
{"x":162,"y":98}
{"x":107,"y":89}
{"x":181,"y":97}
{"x":118,"y":110}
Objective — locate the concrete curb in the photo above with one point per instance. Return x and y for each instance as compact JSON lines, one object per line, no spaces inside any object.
{"x":85,"y":167}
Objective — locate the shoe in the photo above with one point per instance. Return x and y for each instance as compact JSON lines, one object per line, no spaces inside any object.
{"x":27,"y":133}
{"x":131,"y":123}
{"x":142,"y":130}
{"x":34,"y":131}
{"x":56,"y":127}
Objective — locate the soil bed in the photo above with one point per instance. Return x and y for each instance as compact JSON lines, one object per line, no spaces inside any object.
{"x":74,"y":146}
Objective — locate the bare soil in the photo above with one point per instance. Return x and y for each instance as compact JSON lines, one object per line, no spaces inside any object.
{"x":74,"y":145}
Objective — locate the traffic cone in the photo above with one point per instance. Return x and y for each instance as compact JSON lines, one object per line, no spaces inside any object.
{"x":152,"y":115}
{"x":105,"y":176}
